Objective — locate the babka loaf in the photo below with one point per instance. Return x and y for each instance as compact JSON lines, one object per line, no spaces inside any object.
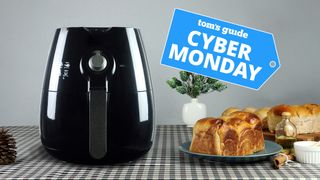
{"x":237,"y":134}
{"x":261,"y":113}
{"x":305,"y":117}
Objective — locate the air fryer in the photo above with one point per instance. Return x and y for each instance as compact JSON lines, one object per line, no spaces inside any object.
{"x":97,"y":102}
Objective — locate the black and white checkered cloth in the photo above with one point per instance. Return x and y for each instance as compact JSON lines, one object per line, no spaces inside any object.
{"x":164,"y":161}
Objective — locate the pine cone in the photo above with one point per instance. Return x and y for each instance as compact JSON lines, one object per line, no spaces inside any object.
{"x":7,"y":147}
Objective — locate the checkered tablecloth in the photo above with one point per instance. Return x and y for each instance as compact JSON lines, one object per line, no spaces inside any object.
{"x":164,"y":161}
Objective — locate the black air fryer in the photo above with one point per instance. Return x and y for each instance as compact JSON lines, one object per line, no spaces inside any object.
{"x":97,"y":102}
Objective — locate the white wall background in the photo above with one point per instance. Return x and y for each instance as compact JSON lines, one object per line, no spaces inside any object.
{"x":27,"y":28}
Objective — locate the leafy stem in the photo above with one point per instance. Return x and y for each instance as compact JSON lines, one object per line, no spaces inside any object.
{"x":194,"y":85}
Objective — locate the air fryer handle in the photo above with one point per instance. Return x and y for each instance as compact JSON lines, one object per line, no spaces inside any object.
{"x":98,"y":100}
{"x":98,"y":67}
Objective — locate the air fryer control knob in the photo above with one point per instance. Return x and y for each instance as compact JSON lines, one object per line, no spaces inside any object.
{"x":97,"y":62}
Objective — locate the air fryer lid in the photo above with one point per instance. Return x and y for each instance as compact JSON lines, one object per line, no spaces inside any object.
{"x":98,"y":54}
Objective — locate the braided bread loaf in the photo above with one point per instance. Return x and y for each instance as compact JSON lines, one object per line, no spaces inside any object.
{"x":239,"y":133}
{"x":305,"y":117}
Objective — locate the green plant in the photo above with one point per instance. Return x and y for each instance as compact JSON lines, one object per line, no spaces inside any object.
{"x":194,"y":84}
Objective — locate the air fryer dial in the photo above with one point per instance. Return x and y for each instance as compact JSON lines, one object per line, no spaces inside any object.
{"x":97,"y":62}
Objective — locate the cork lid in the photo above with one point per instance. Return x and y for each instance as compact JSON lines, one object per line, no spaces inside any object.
{"x":286,"y":114}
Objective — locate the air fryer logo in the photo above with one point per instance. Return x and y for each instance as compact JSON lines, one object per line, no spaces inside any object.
{"x":65,"y":70}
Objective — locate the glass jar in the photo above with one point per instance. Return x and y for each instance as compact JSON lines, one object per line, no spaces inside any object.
{"x":286,"y":132}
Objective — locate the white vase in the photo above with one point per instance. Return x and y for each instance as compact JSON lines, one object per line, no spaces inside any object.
{"x":193,"y":111}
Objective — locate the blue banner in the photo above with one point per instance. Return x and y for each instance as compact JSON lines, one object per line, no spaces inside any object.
{"x":220,"y":49}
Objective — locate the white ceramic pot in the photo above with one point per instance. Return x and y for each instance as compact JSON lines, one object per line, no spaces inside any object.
{"x":193,"y":111}
{"x":307,"y":151}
